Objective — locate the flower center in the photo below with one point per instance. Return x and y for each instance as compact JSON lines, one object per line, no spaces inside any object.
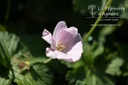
{"x":60,"y":47}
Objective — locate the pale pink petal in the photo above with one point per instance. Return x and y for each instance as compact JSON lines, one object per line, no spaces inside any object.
{"x":58,"y":29}
{"x":67,"y":35}
{"x":72,"y":30}
{"x":46,"y":35}
{"x":55,"y":54}
{"x":76,"y":51}
{"x":72,"y":43}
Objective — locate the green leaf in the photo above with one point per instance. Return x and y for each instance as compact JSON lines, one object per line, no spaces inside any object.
{"x":30,"y":74}
{"x":41,"y":74}
{"x":4,"y":81}
{"x":25,"y":80}
{"x":89,"y":76}
{"x":114,"y":66}
{"x":122,"y":47}
{"x":37,"y":75}
{"x":8,"y":45}
{"x":96,"y":77}
{"x":5,"y":62}
{"x":79,"y":83}
{"x":3,"y":56}
{"x":76,"y":74}
{"x":10,"y":41}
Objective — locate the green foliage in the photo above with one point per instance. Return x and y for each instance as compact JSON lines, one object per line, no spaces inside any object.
{"x":124,"y":54}
{"x":96,"y":77}
{"x":22,"y":72}
{"x":8,"y":45}
{"x":114,"y":66}
{"x":30,"y":74}
{"x":76,"y":74}
{"x":4,"y":81}
{"x":79,"y":83}
{"x":10,"y":41}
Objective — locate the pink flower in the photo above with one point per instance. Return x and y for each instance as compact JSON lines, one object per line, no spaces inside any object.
{"x":66,"y":43}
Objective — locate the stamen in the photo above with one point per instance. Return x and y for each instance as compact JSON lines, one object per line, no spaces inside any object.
{"x":60,"y":47}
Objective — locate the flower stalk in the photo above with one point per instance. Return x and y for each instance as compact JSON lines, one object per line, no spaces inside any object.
{"x":47,"y":61}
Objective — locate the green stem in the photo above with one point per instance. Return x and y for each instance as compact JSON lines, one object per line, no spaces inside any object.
{"x":7,"y":12}
{"x":47,"y":61}
{"x":97,"y":21}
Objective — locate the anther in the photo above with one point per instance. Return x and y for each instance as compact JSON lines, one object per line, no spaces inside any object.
{"x":60,"y":47}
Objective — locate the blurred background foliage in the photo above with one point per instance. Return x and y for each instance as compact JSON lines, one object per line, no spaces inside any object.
{"x":22,"y":50}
